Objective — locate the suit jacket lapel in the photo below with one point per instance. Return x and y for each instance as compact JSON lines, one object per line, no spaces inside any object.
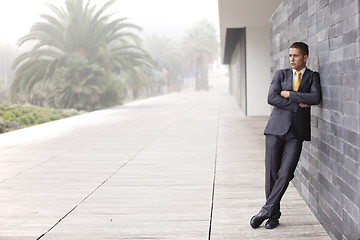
{"x":304,"y":78}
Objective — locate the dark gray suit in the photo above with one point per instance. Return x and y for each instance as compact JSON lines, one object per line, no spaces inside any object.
{"x":287,"y":128}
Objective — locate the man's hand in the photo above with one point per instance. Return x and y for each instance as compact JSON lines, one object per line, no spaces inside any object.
{"x":303,"y":105}
{"x":285,"y":94}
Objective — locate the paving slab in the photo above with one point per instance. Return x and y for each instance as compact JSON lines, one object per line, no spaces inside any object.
{"x":180,"y":166}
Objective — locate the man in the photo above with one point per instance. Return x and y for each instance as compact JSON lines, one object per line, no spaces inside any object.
{"x":292,"y":92}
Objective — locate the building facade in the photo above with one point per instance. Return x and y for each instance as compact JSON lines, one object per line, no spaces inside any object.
{"x":245,"y":47}
{"x":328,"y":174}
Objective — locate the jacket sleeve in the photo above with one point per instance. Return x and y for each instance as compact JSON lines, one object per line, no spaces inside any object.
{"x":274,"y":97}
{"x":312,"y":97}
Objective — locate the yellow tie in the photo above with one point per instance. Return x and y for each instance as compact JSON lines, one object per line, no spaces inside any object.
{"x":297,"y":81}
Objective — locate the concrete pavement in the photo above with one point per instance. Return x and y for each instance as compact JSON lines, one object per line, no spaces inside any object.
{"x":179,"y":166}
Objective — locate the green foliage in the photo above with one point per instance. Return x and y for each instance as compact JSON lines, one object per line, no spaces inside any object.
{"x":55,"y":116}
{"x":2,"y":126}
{"x":8,"y":116}
{"x":77,"y":57}
{"x":26,"y":119}
{"x":82,"y":85}
{"x":18,"y":116}
{"x":41,"y":120}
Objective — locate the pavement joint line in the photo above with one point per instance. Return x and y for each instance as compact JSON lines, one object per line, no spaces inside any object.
{"x":114,"y":173}
{"x":59,"y":154}
{"x":41,"y":163}
{"x":215,"y":164}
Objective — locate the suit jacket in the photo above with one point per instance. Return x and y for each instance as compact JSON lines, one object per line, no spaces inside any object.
{"x":286,"y":112}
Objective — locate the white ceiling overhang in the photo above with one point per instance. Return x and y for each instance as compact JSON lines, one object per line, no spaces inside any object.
{"x":244,"y":13}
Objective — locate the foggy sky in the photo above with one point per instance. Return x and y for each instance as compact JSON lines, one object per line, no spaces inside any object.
{"x":158,"y":16}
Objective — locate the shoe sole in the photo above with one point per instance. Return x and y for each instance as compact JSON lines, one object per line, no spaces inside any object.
{"x":268,"y":227}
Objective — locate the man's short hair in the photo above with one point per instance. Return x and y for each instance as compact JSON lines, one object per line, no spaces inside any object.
{"x":304,"y":49}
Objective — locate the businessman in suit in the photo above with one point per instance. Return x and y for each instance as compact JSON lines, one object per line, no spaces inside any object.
{"x":292,"y":92}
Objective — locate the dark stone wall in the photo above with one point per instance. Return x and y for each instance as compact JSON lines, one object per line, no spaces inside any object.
{"x":328,"y":174}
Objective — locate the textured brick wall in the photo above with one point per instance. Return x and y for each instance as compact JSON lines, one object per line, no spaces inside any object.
{"x":328,"y":174}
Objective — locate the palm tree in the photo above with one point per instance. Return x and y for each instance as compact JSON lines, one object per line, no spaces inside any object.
{"x":200,"y":49}
{"x":83,"y":85}
{"x":86,"y":36}
{"x":166,"y":54}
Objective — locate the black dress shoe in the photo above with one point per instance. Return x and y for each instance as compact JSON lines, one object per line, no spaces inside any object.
{"x":272,"y":223}
{"x":257,"y":220}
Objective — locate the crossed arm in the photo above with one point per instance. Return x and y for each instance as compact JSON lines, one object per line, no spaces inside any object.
{"x":292,"y":100}
{"x":286,"y":94}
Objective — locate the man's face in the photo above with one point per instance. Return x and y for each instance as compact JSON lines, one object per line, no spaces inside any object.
{"x":297,"y":60}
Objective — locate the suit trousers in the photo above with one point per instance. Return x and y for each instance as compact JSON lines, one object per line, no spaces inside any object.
{"x":281,"y":158}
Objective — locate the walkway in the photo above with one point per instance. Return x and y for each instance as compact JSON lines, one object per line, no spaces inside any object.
{"x":145,"y":170}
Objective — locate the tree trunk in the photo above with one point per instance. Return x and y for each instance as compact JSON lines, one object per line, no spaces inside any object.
{"x":205,"y":77}
{"x":135,"y":93}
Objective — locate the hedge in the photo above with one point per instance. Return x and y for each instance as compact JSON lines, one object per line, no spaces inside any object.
{"x":13,"y":117}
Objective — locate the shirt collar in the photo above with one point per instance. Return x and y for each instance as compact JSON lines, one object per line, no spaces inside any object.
{"x":302,"y":72}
